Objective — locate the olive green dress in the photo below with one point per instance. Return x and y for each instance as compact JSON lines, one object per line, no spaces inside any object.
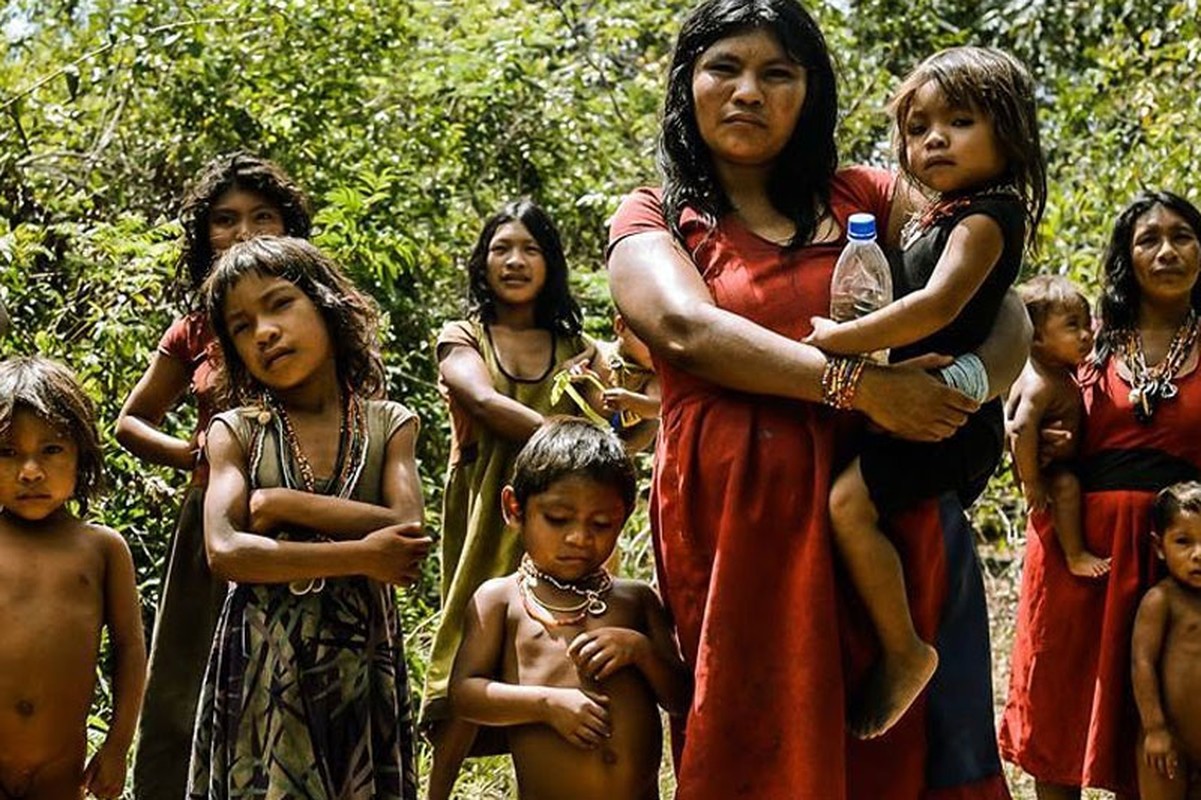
{"x":475,"y":544}
{"x":306,"y":696}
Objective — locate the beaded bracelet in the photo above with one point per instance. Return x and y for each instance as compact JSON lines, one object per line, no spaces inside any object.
{"x":840,"y":380}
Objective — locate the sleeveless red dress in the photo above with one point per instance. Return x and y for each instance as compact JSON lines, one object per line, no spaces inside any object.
{"x":746,"y":568}
{"x":1070,"y":718}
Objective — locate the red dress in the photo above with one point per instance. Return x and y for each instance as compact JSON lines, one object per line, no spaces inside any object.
{"x":745,"y":562}
{"x":1070,"y":718}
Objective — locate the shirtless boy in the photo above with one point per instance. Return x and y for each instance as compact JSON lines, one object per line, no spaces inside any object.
{"x":572,"y":662}
{"x":1045,"y":395}
{"x":61,"y":581}
{"x":1166,"y":653}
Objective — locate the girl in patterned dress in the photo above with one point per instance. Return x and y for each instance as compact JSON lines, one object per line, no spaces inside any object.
{"x":313,"y":508}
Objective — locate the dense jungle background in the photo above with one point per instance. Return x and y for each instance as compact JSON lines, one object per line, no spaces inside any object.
{"x":411,"y":120}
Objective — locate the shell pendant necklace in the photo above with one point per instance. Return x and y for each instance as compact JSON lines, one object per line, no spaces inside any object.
{"x":591,"y":589}
{"x":1151,"y":385}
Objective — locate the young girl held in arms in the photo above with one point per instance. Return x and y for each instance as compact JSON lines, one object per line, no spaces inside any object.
{"x":965,"y":130}
{"x":571,"y":661}
{"x":496,"y":371}
{"x":313,"y":507}
{"x":61,"y":581}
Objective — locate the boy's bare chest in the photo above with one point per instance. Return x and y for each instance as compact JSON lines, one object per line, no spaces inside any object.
{"x":52,"y":602}
{"x":540,"y":654}
{"x":50,"y":577}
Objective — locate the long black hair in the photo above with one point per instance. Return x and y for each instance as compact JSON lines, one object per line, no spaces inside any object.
{"x":799,"y":186}
{"x":1120,"y":295}
{"x":555,"y":309}
{"x":235,"y":170}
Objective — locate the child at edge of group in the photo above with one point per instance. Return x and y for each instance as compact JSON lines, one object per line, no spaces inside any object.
{"x":1166,"y":653}
{"x":966,"y":130}
{"x":62,"y":580}
{"x":572,"y":662}
{"x":313,"y":507}
{"x":1046,"y":395}
{"x":497,"y":371}
{"x":235,"y":196}
{"x":631,"y":397}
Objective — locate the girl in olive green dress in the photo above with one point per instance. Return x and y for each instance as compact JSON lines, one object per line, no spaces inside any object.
{"x":497,"y":370}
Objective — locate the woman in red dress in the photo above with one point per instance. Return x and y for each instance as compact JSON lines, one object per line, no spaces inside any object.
{"x":1070,"y":720}
{"x":719,"y":272}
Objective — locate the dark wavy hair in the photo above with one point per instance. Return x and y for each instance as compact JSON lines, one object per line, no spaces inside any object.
{"x":1044,"y":295}
{"x":799,"y":186}
{"x":236,"y":170}
{"x":555,"y":309}
{"x":997,"y":84}
{"x":1173,"y":502}
{"x":568,"y":446}
{"x":351,"y":317}
{"x":1120,"y":293}
{"x":52,"y":392}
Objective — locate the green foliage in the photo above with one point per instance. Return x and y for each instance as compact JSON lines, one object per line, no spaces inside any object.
{"x":411,"y":120}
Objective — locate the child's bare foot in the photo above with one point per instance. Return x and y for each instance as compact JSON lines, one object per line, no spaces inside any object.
{"x":1087,"y":565}
{"x":893,"y":686}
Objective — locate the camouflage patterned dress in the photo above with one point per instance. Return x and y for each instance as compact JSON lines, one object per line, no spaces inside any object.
{"x":306,"y":696}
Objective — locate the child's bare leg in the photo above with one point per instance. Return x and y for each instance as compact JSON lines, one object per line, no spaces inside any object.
{"x":907,"y":663}
{"x":1051,"y":791}
{"x":1066,"y":509}
{"x":452,"y":740}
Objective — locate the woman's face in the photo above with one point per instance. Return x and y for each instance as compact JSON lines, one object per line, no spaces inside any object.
{"x":240,"y":214}
{"x":1165,"y":254}
{"x":516,"y":268}
{"x":747,"y":95}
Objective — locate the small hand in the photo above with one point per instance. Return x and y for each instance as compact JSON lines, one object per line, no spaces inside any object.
{"x":617,"y":399}
{"x":397,"y":553}
{"x":581,"y":360}
{"x":1054,"y":444}
{"x":261,"y":520}
{"x":823,"y":329}
{"x":104,"y":775}
{"x":1160,"y":752}
{"x":600,"y":653}
{"x":580,"y":717}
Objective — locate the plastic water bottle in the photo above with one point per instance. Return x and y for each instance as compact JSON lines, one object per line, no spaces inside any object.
{"x":862,"y":281}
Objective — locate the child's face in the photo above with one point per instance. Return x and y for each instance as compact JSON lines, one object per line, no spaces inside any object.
{"x":1065,"y":337}
{"x":278,"y":331}
{"x":240,"y":214}
{"x":38,"y":464}
{"x":571,"y":528}
{"x":516,"y":268}
{"x":1180,"y":548}
{"x":950,"y":148}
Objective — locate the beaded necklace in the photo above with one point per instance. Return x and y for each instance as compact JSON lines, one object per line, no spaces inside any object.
{"x":943,"y":207}
{"x":353,"y":440}
{"x":1151,"y":385}
{"x":591,"y":588}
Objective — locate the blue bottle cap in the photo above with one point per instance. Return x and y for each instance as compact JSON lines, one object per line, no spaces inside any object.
{"x":861,"y":226}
